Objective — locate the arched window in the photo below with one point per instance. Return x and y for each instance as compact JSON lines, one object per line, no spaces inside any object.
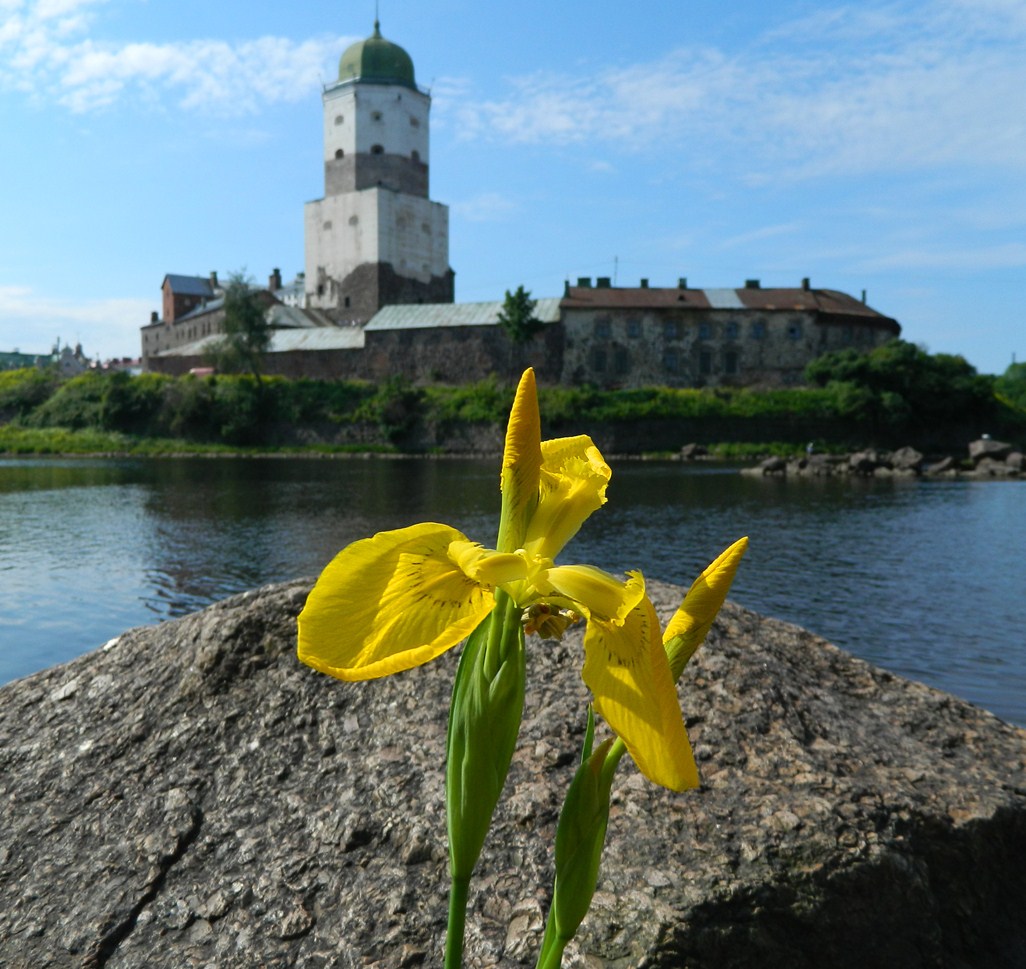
{"x":377,"y":150}
{"x":415,"y":155}
{"x":340,"y":153}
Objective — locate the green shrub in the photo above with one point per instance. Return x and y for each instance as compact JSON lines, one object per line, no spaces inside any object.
{"x":133,"y":405}
{"x":21,"y":391}
{"x":395,"y":407}
{"x":76,"y":403}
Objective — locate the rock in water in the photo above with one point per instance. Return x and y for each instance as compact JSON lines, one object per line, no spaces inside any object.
{"x":190,"y":795}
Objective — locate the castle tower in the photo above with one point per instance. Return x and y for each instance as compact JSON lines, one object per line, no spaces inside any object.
{"x":376,"y":238}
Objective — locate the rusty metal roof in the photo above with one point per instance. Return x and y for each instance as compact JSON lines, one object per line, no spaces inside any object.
{"x":826,"y":301}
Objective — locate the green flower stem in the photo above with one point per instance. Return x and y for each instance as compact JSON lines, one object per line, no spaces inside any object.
{"x":552,"y":947}
{"x":484,"y":722}
{"x":458,"y":890}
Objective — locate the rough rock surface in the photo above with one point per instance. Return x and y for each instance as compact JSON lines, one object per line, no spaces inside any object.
{"x":189,"y":795}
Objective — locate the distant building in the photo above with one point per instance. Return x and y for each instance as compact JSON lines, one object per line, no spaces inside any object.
{"x":15,"y":360}
{"x":595,"y":334}
{"x":375,"y":239}
{"x":681,"y":337}
{"x":67,"y":360}
{"x":376,"y":297}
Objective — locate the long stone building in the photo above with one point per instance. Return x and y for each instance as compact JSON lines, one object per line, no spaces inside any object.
{"x":376,"y":297}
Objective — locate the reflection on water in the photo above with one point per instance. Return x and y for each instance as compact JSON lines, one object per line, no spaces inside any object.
{"x":924,"y":578}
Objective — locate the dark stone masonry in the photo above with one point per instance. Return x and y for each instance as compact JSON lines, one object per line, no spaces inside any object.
{"x":189,"y":795}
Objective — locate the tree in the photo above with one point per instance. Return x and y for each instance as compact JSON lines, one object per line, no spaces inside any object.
{"x":519,"y":322}
{"x":247,"y":334}
{"x":900,"y":389}
{"x":1012,"y":385}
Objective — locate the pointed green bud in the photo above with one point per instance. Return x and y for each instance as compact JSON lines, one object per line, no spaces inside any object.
{"x":580,"y":836}
{"x":484,"y":721}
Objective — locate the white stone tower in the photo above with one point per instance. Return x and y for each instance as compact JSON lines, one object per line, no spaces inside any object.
{"x":375,"y":238}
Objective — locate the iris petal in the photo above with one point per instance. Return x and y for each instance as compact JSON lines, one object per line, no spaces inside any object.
{"x":572,"y":485}
{"x":389,"y":603}
{"x":602,"y":595}
{"x":626,"y":669}
{"x":690,"y":624}
{"x":521,"y":465}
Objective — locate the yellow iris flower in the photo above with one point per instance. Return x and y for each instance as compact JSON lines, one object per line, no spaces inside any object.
{"x":401,"y":598}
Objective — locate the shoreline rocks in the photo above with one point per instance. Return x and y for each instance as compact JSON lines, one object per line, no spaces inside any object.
{"x":987,"y":459}
{"x":190,"y":795}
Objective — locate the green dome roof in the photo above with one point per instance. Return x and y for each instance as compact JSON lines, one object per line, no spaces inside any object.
{"x":376,"y":60}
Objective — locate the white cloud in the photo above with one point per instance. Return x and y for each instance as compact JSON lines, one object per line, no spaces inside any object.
{"x":764,"y":232}
{"x":848,"y":90}
{"x":45,"y":49}
{"x":109,"y":327}
{"x":485,"y":207}
{"x":1011,"y":255}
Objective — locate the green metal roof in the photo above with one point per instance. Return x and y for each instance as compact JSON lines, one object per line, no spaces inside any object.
{"x":377,"y":61}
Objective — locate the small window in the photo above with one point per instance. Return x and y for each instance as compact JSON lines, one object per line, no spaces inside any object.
{"x":671,"y":330}
{"x":759,"y":330}
{"x":622,"y":361}
{"x":705,"y":330}
{"x":327,"y":225}
{"x":602,"y":328}
{"x":671,"y":362}
{"x":704,"y":362}
{"x":598,"y":360}
{"x":354,"y":220}
{"x":345,"y":302}
{"x":377,"y":150}
{"x":848,"y":334}
{"x":375,"y":116}
{"x":339,"y":153}
{"x":415,"y":155}
{"x":634,"y":328}
{"x":732,"y":330}
{"x":339,"y":119}
{"x":730,"y":362}
{"x":794,"y":330}
{"x":414,"y":123}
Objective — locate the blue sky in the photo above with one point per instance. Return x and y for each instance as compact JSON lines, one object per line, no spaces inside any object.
{"x":876,"y":146}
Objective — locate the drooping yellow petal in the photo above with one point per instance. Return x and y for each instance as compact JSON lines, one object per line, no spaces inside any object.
{"x":690,"y":624}
{"x":572,"y":485}
{"x":521,"y":465}
{"x":626,"y":669}
{"x":487,"y":566}
{"x":389,"y":603}
{"x":602,"y":595}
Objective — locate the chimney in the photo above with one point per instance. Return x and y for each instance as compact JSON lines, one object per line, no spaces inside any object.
{"x":682,"y":282}
{"x":153,"y":317}
{"x":603,"y":282}
{"x":863,"y":297}
{"x":566,"y":287}
{"x":644,"y":284}
{"x":584,"y":282}
{"x":274,"y":280}
{"x":751,"y":284}
{"x":805,"y":283}
{"x":213,"y":278}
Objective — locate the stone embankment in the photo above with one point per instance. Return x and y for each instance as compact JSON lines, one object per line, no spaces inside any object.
{"x":986,"y":459}
{"x":189,"y":795}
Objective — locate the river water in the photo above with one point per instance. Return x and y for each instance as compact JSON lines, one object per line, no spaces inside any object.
{"x":925,"y":578}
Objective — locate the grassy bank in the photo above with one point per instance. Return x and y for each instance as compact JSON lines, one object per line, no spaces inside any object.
{"x":154,"y":414}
